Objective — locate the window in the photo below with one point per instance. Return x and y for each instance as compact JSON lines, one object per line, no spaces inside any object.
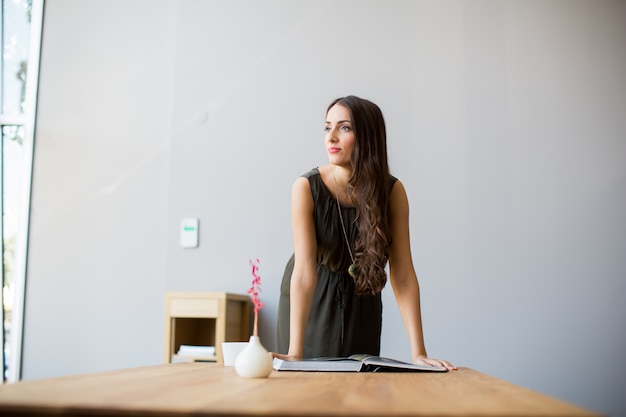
{"x":20,"y":36}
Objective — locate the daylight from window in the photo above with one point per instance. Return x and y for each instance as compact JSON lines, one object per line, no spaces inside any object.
{"x":15,"y":33}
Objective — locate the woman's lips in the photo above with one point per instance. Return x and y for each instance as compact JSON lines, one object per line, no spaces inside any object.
{"x":333,"y":150}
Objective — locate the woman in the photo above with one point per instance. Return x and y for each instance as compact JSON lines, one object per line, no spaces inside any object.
{"x":349,"y":219}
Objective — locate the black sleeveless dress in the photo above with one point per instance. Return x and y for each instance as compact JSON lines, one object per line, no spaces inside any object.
{"x":341,"y":323}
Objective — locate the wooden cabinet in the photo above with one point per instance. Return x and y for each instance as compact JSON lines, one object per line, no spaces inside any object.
{"x":204,"y":319}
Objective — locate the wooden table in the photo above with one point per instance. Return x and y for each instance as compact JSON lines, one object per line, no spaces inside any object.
{"x":214,"y":390}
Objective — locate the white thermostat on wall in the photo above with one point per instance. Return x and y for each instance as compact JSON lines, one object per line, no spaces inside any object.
{"x":189,"y":233}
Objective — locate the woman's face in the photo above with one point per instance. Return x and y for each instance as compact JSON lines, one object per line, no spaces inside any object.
{"x":340,"y":137}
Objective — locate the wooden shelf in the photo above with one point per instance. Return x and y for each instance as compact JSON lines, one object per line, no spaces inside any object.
{"x":204,"y":319}
{"x":186,"y":358}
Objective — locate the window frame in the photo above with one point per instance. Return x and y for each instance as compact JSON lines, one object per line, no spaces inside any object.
{"x":28,"y":121}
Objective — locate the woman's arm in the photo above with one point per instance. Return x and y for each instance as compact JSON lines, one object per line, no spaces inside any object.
{"x":304,"y":276}
{"x":403,"y":278}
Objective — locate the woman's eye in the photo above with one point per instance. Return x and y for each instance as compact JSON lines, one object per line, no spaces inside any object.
{"x":326,"y":128}
{"x":345,"y":128}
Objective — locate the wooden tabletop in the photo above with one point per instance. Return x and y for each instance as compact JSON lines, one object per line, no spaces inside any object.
{"x":214,"y":390}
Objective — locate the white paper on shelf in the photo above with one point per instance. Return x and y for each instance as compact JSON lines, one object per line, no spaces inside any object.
{"x":193,"y":350}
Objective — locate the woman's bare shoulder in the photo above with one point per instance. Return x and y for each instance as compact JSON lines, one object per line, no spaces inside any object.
{"x":325,"y":171}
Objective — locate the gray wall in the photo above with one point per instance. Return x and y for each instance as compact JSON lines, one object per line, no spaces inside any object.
{"x":506,"y":123}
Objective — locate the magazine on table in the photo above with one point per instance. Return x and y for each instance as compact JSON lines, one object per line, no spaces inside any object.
{"x":354,"y":363}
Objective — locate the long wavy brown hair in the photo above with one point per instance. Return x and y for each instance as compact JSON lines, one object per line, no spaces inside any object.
{"x":369,"y":189}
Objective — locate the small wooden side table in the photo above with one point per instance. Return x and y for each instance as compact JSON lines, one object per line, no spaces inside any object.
{"x":204,"y":319}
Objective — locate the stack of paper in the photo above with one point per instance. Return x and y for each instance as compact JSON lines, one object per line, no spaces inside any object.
{"x":196,"y":351}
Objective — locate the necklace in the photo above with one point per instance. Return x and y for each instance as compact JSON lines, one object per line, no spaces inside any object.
{"x":352,"y":269}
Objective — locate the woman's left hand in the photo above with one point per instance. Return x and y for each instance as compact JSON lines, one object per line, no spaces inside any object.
{"x":423,"y":360}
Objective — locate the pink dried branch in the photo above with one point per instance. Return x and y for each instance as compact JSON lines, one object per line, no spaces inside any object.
{"x":254,"y":291}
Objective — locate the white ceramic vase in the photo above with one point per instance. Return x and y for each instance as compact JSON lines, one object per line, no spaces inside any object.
{"x":254,"y":361}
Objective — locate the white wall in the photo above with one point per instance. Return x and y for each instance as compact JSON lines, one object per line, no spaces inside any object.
{"x":506,"y":124}
{"x":97,"y":254}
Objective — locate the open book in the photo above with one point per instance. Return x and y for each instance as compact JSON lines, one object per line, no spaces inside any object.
{"x":354,"y":363}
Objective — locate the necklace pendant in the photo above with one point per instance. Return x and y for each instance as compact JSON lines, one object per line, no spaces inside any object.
{"x":353,"y":270}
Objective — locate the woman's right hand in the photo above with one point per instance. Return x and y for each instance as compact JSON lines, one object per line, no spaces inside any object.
{"x":284,"y":357}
